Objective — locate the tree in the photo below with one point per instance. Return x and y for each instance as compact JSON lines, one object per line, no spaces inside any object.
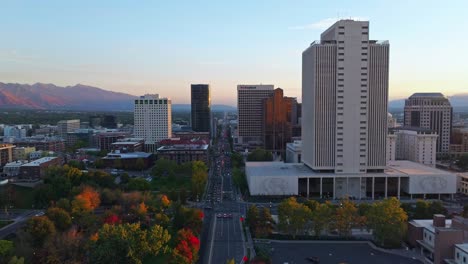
{"x":199,"y":177}
{"x":388,"y":221}
{"x":347,"y":217}
{"x":99,"y":164}
{"x":237,"y":160}
{"x":321,"y":217}
{"x":118,"y":163}
{"x":230,"y":261}
{"x":16,"y":260}
{"x":60,"y":217}
{"x":189,"y":218}
{"x":140,"y":164}
{"x":252,"y":217}
{"x":265,"y":226}
{"x":462,"y":162}
{"x":40,"y":228}
{"x":64,"y":203}
{"x":187,"y":246}
{"x":86,"y":201}
{"x":422,"y":210}
{"x":293,"y":216}
{"x":138,"y":184}
{"x":164,"y":167}
{"x":128,"y":243}
{"x":6,"y":250}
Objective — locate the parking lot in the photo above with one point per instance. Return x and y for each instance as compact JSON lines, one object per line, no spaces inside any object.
{"x":333,"y":253}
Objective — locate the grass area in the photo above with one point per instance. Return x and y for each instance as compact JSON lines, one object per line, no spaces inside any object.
{"x":18,"y":196}
{"x":5,"y":223}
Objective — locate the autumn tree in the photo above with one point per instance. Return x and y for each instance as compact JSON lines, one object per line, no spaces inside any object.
{"x":189,"y":218}
{"x":346,"y":217}
{"x":40,"y":228}
{"x":388,"y":221}
{"x":252,"y":217}
{"x":6,"y":250}
{"x":60,"y":217}
{"x":293,"y":216}
{"x":86,"y":201}
{"x":186,"y":249}
{"x":128,"y":243}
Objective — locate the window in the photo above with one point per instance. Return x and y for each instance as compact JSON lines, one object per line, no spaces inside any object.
{"x":341,"y":33}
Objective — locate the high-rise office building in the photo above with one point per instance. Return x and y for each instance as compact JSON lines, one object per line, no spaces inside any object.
{"x":201,"y":107}
{"x":250,"y":113}
{"x":277,"y":122}
{"x":344,"y":100}
{"x":153,"y":120}
{"x":432,"y":111}
{"x":65,"y":126}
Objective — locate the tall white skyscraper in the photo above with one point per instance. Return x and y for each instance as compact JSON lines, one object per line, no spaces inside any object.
{"x":250,"y":113}
{"x":153,"y":120}
{"x":344,"y":100}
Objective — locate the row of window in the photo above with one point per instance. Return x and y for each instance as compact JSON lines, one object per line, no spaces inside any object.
{"x":161,"y":101}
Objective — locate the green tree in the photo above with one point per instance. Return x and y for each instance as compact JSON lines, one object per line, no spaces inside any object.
{"x":6,"y":250}
{"x":40,"y":228}
{"x":422,"y":210}
{"x":60,"y":217}
{"x":128,"y":243}
{"x":138,"y":184}
{"x":140,"y":164}
{"x":164,"y":167}
{"x":293,"y":216}
{"x":99,"y":164}
{"x":321,"y":217}
{"x":199,"y":177}
{"x":252,"y":218}
{"x":266,"y":223}
{"x":462,"y":162}
{"x":388,"y":221}
{"x":64,"y":203}
{"x":118,"y":163}
{"x":16,"y":260}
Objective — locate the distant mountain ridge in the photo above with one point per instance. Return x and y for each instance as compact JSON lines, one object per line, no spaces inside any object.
{"x":77,"y":97}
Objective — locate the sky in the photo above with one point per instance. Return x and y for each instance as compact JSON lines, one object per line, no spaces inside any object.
{"x":140,"y":47}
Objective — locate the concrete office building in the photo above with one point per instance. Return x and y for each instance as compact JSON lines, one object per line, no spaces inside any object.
{"x":345,"y":96}
{"x":153,"y":120}
{"x":344,"y":129}
{"x":250,"y":114}
{"x":459,"y":144}
{"x":65,"y":126}
{"x":416,"y":144}
{"x":200,"y":107}
{"x":432,"y":111}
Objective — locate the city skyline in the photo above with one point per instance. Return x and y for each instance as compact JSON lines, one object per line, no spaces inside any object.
{"x":157,"y":48}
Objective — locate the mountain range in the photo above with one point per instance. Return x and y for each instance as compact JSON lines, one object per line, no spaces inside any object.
{"x":78,"y":97}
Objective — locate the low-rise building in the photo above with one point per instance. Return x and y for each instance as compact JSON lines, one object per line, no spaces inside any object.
{"x":6,"y":154}
{"x":128,"y":145}
{"x":12,"y":169}
{"x":416,"y":144}
{"x":182,"y":151}
{"x":459,"y":144}
{"x":401,"y":179}
{"x":22,"y":153}
{"x":42,"y":143}
{"x":36,"y":169}
{"x":293,"y":152}
{"x":105,"y":139}
{"x":191,"y":135}
{"x":128,"y":161}
{"x":462,"y":183}
{"x":440,"y":240}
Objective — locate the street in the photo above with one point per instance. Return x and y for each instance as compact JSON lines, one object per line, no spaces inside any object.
{"x":222,"y":229}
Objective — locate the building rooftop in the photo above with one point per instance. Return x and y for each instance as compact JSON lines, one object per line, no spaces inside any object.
{"x":184,"y":147}
{"x":463,"y":247}
{"x":40,"y":161}
{"x":130,"y":155}
{"x":281,"y":169}
{"x":429,"y":223}
{"x":126,"y":143}
{"x":435,"y":95}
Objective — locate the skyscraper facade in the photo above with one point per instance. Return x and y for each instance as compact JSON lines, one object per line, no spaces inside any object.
{"x":277,"y":123}
{"x":432,"y":111}
{"x":344,"y":100}
{"x":65,"y":126}
{"x":153,"y":120}
{"x":201,"y":107}
{"x":250,"y":113}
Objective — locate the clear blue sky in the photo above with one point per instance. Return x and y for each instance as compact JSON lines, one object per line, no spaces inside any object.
{"x":162,"y":46}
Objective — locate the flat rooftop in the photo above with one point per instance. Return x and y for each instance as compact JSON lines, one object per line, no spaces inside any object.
{"x":183,"y":147}
{"x":399,"y":168}
{"x":39,"y":161}
{"x":131,"y":155}
{"x":463,"y":247}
